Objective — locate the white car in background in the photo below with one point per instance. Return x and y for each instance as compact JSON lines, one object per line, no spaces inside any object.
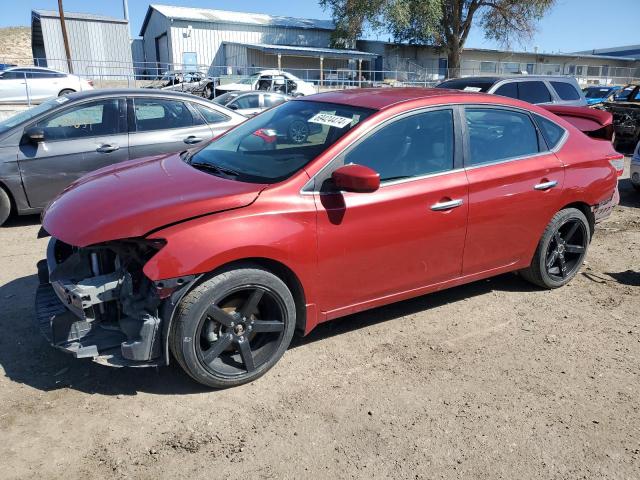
{"x":36,"y":84}
{"x":270,"y":80}
{"x":250,"y":103}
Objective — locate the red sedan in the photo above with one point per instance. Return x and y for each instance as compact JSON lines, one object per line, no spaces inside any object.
{"x":217,"y":256}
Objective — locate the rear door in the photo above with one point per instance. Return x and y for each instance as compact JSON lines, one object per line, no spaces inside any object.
{"x":218,"y":120}
{"x":13,"y":86}
{"x":77,"y":140}
{"x":164,"y":125}
{"x":515,"y":184}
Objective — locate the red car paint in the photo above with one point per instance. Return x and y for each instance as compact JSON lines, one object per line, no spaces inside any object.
{"x":349,"y":251}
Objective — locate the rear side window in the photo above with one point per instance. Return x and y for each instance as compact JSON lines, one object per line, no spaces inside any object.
{"x":565,"y":91}
{"x":508,"y":90}
{"x":496,"y":135}
{"x":533,"y":92}
{"x":211,"y":115}
{"x":551,"y":132}
{"x":156,"y":114}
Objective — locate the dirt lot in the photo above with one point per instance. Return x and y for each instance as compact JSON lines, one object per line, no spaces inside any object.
{"x":490,"y":380}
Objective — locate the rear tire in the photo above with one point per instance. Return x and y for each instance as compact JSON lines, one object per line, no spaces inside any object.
{"x":561,"y":250}
{"x":5,"y":206}
{"x":232,"y":328}
{"x":66,"y":91}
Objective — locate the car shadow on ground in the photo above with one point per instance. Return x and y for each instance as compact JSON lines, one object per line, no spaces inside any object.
{"x":628,"y":277}
{"x":21,"y":221}
{"x":27,"y":358}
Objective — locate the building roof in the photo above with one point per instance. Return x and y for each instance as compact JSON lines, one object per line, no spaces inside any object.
{"x":299,"y":51}
{"x":632,"y":51}
{"x":76,"y":16}
{"x":241,"y":18}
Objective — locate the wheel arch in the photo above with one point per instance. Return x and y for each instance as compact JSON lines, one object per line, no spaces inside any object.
{"x":585,"y":208}
{"x":12,"y":200}
{"x":279,"y":269}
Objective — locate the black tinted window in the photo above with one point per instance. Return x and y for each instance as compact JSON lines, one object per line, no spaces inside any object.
{"x":412,"y":146}
{"x":508,"y":90}
{"x":211,"y":115}
{"x":551,"y":132}
{"x":496,"y":135}
{"x":565,"y":91}
{"x":93,"y":119}
{"x":533,"y":92}
{"x":468,"y":84}
{"x":156,"y":114}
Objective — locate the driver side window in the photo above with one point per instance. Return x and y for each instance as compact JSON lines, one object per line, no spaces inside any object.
{"x":413,"y":146}
{"x":90,"y":119}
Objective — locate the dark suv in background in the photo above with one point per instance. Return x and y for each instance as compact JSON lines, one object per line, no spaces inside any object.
{"x":529,"y":88}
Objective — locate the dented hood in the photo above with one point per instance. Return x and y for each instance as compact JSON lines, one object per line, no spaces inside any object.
{"x":133,"y":198}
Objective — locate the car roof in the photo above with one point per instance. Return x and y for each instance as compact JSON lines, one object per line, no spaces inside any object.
{"x":33,"y":67}
{"x":112,"y":92}
{"x":381,"y":98}
{"x":498,"y":78}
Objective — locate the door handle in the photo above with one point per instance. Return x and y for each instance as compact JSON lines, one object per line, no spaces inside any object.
{"x":107,"y":148}
{"x":192,"y":139}
{"x":545,"y":185}
{"x":446,"y":205}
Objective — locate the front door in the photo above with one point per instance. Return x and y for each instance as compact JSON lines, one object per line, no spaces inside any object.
{"x":408,"y":234}
{"x":514,"y":188}
{"x":77,"y":140}
{"x":160,"y":126}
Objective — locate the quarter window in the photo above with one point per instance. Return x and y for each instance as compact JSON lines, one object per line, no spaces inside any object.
{"x":496,"y":135}
{"x":93,"y":119}
{"x":156,"y":114}
{"x":211,"y":115}
{"x":533,"y":92}
{"x":413,"y":146}
{"x":566,"y":91}
{"x":551,"y":132}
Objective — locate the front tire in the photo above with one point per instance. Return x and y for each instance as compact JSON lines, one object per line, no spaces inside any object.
{"x":561,"y":250}
{"x":5,"y":206}
{"x":234,"y":327}
{"x":66,"y":91}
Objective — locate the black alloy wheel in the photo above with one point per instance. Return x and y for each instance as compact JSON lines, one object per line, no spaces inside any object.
{"x":240,"y":333}
{"x":561,"y":250}
{"x":233,"y":327}
{"x":566,"y":250}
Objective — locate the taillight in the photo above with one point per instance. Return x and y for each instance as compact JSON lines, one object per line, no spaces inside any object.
{"x":617,"y":162}
{"x":90,"y":82}
{"x":267,"y":134}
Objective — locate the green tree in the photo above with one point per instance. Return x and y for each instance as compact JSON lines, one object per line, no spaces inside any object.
{"x":441,"y":23}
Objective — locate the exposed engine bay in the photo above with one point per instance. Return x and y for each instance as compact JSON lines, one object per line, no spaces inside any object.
{"x":99,"y":303}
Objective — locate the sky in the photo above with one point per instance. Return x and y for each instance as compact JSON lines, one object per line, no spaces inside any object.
{"x":571,"y":25}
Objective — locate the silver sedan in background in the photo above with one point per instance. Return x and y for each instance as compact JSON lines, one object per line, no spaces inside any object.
{"x":44,"y":149}
{"x":251,"y":103}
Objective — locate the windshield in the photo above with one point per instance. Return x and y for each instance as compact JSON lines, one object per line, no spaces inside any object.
{"x":597,"y":92}
{"x":624,"y":94}
{"x":467,"y":84}
{"x":250,"y":80}
{"x":279,"y":142}
{"x":33,"y":112}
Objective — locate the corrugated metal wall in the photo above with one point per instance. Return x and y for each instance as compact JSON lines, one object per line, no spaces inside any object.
{"x":206,"y":39}
{"x":157,"y":26}
{"x":90,"y":42}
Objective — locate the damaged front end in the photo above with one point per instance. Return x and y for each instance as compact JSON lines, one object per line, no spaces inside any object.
{"x":95,"y":302}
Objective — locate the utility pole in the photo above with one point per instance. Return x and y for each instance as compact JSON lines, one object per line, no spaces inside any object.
{"x":64,"y":37}
{"x":125,"y":8}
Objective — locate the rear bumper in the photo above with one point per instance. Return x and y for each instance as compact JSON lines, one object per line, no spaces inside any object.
{"x":603,"y":210}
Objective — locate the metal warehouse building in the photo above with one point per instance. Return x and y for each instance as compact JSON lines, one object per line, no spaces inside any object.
{"x":238,"y":43}
{"x":99,"y":45}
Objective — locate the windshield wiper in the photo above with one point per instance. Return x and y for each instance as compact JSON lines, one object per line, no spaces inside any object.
{"x":216,"y":169}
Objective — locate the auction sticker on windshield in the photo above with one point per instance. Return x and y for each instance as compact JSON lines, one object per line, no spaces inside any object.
{"x":330,"y":120}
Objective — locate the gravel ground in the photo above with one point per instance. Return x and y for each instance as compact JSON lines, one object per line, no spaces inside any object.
{"x":490,"y":380}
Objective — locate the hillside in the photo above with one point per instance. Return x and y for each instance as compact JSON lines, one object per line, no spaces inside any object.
{"x":15,"y":45}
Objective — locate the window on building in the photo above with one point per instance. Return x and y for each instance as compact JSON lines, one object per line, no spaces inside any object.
{"x":593,"y":71}
{"x":488,"y":67}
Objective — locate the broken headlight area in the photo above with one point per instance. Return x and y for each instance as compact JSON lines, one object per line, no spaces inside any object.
{"x":96,"y":302}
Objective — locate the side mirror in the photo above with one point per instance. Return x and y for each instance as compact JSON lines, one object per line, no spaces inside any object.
{"x":356,"y":178}
{"x":35,"y":135}
{"x":233,"y":106}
